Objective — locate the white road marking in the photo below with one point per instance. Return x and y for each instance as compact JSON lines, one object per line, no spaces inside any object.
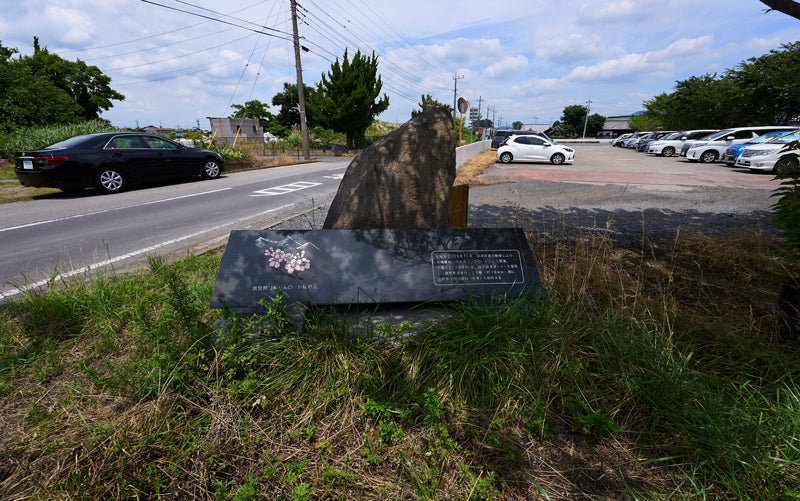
{"x":76,"y":216}
{"x":335,"y":176}
{"x":13,"y":292}
{"x":284,"y":189}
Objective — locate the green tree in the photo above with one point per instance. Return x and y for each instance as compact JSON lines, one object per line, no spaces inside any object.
{"x":426,"y":102}
{"x":28,"y":98}
{"x":595,"y":122}
{"x":645,"y":122}
{"x":517,"y":125}
{"x":572,"y":119}
{"x":87,"y":85}
{"x":289,"y":104}
{"x":661,"y":108}
{"x":346,"y":100}
{"x":768,"y":87}
{"x":252,"y":109}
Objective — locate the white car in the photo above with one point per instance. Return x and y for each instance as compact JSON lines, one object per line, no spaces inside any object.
{"x":667,"y":146}
{"x":534,"y":148}
{"x":771,"y":156}
{"x":618,"y":141}
{"x":711,"y":148}
{"x":630,"y":141}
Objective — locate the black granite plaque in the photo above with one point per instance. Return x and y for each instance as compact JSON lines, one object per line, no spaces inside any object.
{"x":377,"y":266}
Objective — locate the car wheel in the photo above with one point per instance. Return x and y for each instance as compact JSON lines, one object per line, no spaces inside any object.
{"x":557,"y":159}
{"x":211,"y":169}
{"x":668,"y":151}
{"x":708,"y":156}
{"x":110,"y":181}
{"x":783,"y":164}
{"x":506,"y":157}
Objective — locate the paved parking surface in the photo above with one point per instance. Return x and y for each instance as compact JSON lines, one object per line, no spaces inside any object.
{"x":625,"y":194}
{"x":601,"y":163}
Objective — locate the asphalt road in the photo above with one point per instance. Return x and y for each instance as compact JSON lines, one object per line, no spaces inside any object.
{"x":73,"y":235}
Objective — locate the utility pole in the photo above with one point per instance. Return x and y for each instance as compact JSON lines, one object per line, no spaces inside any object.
{"x":588,"y":105}
{"x":480,"y":100}
{"x":300,"y":91}
{"x":456,"y":78}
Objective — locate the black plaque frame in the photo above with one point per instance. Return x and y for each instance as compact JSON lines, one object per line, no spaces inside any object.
{"x":374,"y":266}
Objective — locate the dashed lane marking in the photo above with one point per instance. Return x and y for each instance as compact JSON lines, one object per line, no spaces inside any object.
{"x":284,"y":189}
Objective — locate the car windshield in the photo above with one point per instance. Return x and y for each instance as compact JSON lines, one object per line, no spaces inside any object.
{"x":786,"y":138}
{"x":674,"y":135}
{"x":69,"y":143}
{"x":716,"y":135}
{"x":769,"y":136}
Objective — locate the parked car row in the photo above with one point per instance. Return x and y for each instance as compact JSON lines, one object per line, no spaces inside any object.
{"x":762,"y":148}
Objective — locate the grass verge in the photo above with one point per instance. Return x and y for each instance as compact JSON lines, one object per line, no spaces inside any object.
{"x":648,"y":372}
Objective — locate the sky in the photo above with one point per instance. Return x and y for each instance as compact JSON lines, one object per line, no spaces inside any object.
{"x":179,"y":62}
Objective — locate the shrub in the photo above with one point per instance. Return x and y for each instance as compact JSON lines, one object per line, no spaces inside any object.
{"x":787,"y":208}
{"x":31,"y":138}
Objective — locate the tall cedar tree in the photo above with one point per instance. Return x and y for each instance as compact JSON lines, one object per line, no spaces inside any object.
{"x":345,"y":100}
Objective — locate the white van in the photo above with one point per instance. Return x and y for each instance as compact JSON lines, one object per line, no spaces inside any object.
{"x":711,"y":148}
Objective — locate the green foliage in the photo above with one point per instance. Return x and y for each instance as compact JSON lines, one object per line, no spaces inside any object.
{"x":787,"y":208}
{"x":573,"y":121}
{"x":229,"y":153}
{"x":517,"y":125}
{"x":324,"y":136}
{"x":45,"y":89}
{"x":289,"y":116}
{"x":252,"y":109}
{"x":31,"y":138}
{"x":645,"y":122}
{"x":345,"y":99}
{"x":427,"y":101}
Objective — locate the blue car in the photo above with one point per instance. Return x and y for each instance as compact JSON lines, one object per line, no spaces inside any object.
{"x":732,"y":153}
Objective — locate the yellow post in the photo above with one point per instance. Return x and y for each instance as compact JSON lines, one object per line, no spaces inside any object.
{"x":459,"y":197}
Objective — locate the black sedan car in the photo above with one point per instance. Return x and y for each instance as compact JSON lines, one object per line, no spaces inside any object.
{"x":110,"y":161}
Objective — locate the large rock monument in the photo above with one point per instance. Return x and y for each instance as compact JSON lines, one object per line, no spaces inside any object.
{"x":403,"y":180}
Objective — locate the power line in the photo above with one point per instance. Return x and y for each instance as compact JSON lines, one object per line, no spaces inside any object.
{"x":288,"y":38}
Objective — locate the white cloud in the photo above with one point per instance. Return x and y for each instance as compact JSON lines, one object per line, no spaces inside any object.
{"x":574,"y":48}
{"x":71,"y":26}
{"x":623,"y":11}
{"x":509,"y":66}
{"x":465,"y":51}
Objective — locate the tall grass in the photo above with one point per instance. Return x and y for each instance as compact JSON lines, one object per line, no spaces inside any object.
{"x":625,"y":382}
{"x":31,"y":138}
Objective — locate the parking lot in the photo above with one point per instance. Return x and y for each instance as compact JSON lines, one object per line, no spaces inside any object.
{"x":624,"y":190}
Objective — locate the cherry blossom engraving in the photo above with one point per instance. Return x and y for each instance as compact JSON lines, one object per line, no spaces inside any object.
{"x":292,"y":263}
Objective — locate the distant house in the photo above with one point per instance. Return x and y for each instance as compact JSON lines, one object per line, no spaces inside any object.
{"x":160,"y":131}
{"x":616,"y":126}
{"x":226,"y":130}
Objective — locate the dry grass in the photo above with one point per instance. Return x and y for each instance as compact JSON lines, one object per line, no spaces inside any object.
{"x":470,"y":172}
